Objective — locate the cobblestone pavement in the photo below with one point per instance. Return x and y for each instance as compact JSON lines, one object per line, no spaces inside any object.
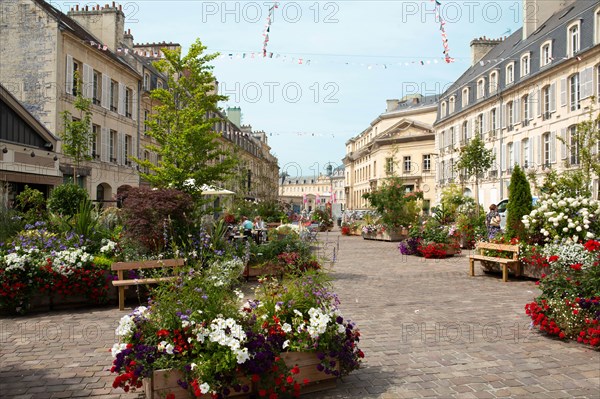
{"x":428,"y":330}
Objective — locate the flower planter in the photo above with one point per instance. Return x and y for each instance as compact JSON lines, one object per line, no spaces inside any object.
{"x":164,"y":382}
{"x":392,"y":236}
{"x":308,"y":362}
{"x":254,"y":271}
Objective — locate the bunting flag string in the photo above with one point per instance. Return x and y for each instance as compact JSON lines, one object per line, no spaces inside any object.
{"x":268,"y":29}
{"x":438,"y":16}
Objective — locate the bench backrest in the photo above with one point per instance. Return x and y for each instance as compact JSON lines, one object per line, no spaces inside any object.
{"x":147,"y":264}
{"x":498,"y":247}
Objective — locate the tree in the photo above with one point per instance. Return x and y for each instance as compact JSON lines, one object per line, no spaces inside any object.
{"x":397,"y":207}
{"x":189,"y":148}
{"x":77,"y":134}
{"x":519,"y":203}
{"x":474,"y":160}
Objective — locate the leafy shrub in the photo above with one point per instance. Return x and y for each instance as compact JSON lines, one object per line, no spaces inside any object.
{"x":157,"y":219}
{"x":65,"y":199}
{"x":10,"y":223}
{"x":519,"y":203}
{"x":32,"y":205}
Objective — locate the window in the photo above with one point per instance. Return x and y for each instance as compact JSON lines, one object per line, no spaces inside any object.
{"x":493,"y":122}
{"x":95,"y":141}
{"x":146,"y":117}
{"x":546,"y":54}
{"x":451,"y":133}
{"x":159,"y":84}
{"x":546,"y":102}
{"x":573,"y":39}
{"x":442,"y":171}
{"x":525,"y":153}
{"x":510,"y":73}
{"x":464,"y":132}
{"x":128,"y":102}
{"x":525,"y":110}
{"x":114,"y":95}
{"x":480,"y":88}
{"x":389,"y":166}
{"x":465,"y":97}
{"x":426,"y":162}
{"x":546,"y":149}
{"x":510,"y":157}
{"x":525,"y":64}
{"x":407,"y":164}
{"x":127,"y":150}
{"x":479,"y":126}
{"x":443,"y":109}
{"x":112,"y":144}
{"x":451,"y":104}
{"x":510,"y":115}
{"x":97,"y":88}
{"x":493,"y":82}
{"x":146,"y":81}
{"x":574,"y":94}
{"x":573,"y":146}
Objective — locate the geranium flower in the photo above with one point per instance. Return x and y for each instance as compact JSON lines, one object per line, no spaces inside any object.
{"x":553,"y":258}
{"x":592,"y":245}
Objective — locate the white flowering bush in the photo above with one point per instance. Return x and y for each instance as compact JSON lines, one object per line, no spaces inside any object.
{"x":567,"y":253}
{"x":64,"y":262}
{"x":556,"y":218}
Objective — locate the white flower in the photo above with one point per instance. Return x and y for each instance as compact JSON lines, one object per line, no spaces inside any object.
{"x":589,"y":234}
{"x":204,"y":388}
{"x":193,"y":366}
{"x":286,"y":327}
{"x":161,"y":346}
{"x":286,"y":343}
{"x":169,"y":349}
{"x":117,"y":348}
{"x":126,"y":325}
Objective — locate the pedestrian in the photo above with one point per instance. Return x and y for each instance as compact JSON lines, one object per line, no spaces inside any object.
{"x":492,"y":222}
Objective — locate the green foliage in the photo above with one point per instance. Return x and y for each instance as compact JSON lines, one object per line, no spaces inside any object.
{"x":569,"y":184}
{"x":102,"y":262}
{"x":77,"y":134}
{"x":442,"y":215}
{"x":452,"y":197}
{"x":271,"y":249}
{"x":519,"y":203}
{"x":183,"y":124}
{"x":32,"y":205}
{"x":10,"y":223}
{"x":474,"y":160}
{"x":66,"y":198}
{"x":396,"y":207}
{"x":157,"y":219}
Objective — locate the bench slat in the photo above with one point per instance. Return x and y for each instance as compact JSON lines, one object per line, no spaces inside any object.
{"x":493,"y":259}
{"x":147,"y":264}
{"x":498,"y":247}
{"x":139,"y":281}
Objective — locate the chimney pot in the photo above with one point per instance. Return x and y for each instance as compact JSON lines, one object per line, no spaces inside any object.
{"x":114,"y":4}
{"x":120,"y":7}
{"x":86,"y":8}
{"x":77,"y":7}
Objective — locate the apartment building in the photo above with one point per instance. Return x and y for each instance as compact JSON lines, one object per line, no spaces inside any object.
{"x":524,"y":94}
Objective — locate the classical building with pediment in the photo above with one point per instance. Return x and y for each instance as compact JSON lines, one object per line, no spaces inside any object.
{"x":398,"y":143}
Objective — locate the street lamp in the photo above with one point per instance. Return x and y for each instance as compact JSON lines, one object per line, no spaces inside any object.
{"x":330,"y":174}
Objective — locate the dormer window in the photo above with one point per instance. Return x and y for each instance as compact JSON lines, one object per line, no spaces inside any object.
{"x":465,"y":97}
{"x":451,"y":104}
{"x":573,"y":43}
{"x":510,"y":74}
{"x":480,"y":88}
{"x":525,"y":64}
{"x":546,"y":53}
{"x":493,"y":82}
{"x":443,"y":109}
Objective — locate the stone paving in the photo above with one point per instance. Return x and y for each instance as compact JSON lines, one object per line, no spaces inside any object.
{"x":428,"y":330}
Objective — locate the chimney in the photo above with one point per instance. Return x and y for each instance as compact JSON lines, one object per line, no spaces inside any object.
{"x":480,"y":47}
{"x":391,"y":105}
{"x":536,"y":12}
{"x":106,"y":23}
{"x":128,"y":39}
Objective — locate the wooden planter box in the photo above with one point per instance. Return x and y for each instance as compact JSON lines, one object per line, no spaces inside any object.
{"x":307,"y":362}
{"x":392,"y":236}
{"x":164,"y":382}
{"x":252,"y":272}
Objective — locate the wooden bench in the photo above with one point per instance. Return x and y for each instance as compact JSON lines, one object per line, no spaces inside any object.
{"x":478,"y":254}
{"x":121,"y":267}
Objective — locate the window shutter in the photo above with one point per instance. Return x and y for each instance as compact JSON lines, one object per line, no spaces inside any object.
{"x":457,"y":136}
{"x":530,"y":104}
{"x":517,"y":110}
{"x":538,"y":99}
{"x":90,"y":140}
{"x":134,"y":106}
{"x":88,"y":81}
{"x":486,"y":127}
{"x":134,"y":149}
{"x":503,"y":117}
{"x":553,"y":147}
{"x":563,"y":144}
{"x":517,"y":152}
{"x":503,"y":154}
{"x":553,"y":97}
{"x":469,"y":128}
{"x":563,"y":92}
{"x":121,"y":101}
{"x":69,"y":75}
{"x":104,"y":148}
{"x":105,"y":100}
{"x":120,"y":147}
{"x":587,"y":83}
{"x":441,"y":140}
{"x":531,"y":152}
{"x":540,"y":151}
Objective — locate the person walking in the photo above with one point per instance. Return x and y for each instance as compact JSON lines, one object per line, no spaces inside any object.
{"x":492,"y":222}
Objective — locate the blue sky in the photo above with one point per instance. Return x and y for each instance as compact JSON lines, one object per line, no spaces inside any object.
{"x":361,"y":53}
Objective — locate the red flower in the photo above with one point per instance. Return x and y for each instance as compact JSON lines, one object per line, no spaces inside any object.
{"x":592,"y":245}
{"x":162,"y":333}
{"x":295,"y":370}
{"x":170,"y":396}
{"x":262,"y":393}
{"x":576,"y":266}
{"x":255,"y":378}
{"x":305,"y":381}
{"x":553,"y":258}
{"x":289,"y":379}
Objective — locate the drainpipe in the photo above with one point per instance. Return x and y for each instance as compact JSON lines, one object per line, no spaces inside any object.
{"x":500,"y":178}
{"x":139,"y":108}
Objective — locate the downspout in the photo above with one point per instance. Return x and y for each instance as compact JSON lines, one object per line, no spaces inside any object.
{"x":500,"y":179}
{"x":139,"y":108}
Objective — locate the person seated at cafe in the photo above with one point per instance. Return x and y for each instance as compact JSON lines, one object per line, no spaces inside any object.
{"x":259,"y":230}
{"x":259,"y":224}
{"x":247,"y":226}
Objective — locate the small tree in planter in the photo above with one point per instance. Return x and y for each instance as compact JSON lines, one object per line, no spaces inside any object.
{"x":519,"y":203}
{"x":397,"y":207}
